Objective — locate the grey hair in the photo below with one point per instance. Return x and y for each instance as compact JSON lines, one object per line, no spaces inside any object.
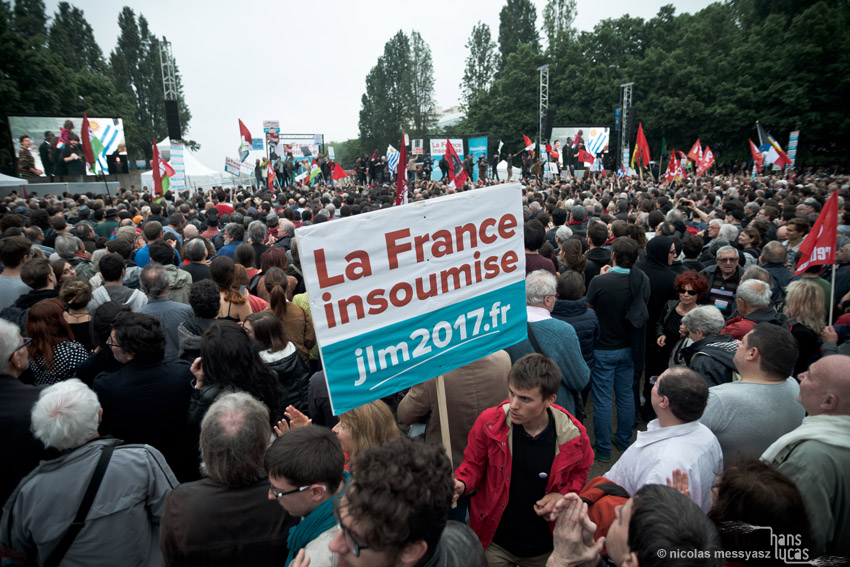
{"x":154,"y":279}
{"x":753,"y":206}
{"x":235,"y":435}
{"x":715,"y":221}
{"x":725,"y":249}
{"x":563,"y":233}
{"x":705,"y":318}
{"x":287,"y":226}
{"x":67,"y":246}
{"x":756,"y":273}
{"x":234,"y":230}
{"x":195,"y":250}
{"x":257,"y":232}
{"x":755,"y":292}
{"x":65,"y":415}
{"x":272,"y":219}
{"x":539,"y":284}
{"x":97,"y":255}
{"x":10,"y":340}
{"x":773,"y":253}
{"x":535,"y":205}
{"x":579,"y":212}
{"x":729,"y":232}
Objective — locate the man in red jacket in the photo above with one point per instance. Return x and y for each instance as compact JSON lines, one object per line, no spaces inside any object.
{"x":522,"y":456}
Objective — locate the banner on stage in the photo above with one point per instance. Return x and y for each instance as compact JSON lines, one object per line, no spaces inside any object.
{"x":429,"y":287}
{"x":477,"y":147}
{"x":438,"y":149}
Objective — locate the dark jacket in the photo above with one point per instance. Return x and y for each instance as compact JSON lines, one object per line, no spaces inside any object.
{"x":319,"y":401}
{"x":292,"y":374}
{"x":458,"y":547}
{"x":17,"y":312}
{"x":189,"y":335}
{"x":147,"y":402}
{"x":209,"y":524}
{"x":712,"y":358}
{"x":21,"y":451}
{"x":584,"y":321}
{"x":661,"y":277}
{"x":596,"y":258}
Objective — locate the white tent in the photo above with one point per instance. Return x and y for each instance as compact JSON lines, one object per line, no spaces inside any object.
{"x":197,"y":174}
{"x":9,"y":180}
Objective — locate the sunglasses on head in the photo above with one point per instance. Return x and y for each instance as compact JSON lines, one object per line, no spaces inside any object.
{"x":688,"y":291}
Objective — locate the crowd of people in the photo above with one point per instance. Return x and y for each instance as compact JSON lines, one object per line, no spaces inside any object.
{"x":162,"y":398}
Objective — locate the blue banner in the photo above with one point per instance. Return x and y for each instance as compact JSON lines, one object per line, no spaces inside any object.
{"x":404,"y":354}
{"x":257,"y":144}
{"x":477,"y":148}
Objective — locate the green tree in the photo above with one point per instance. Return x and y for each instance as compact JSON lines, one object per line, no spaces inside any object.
{"x":135,"y":68}
{"x":421,"y":86}
{"x":71,"y":39}
{"x":480,"y":64}
{"x":558,"y":18}
{"x":517,"y":24}
{"x":30,"y":19}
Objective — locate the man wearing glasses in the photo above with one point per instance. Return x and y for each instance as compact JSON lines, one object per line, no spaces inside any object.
{"x":723,"y":279}
{"x":16,"y":401}
{"x":394,"y":513}
{"x":306,"y":476}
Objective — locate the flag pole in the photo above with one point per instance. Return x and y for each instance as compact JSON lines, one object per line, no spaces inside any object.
{"x":832,"y":296}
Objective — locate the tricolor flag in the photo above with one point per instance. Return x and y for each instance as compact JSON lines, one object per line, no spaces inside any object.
{"x":696,"y":152}
{"x":529,"y":145}
{"x":245,"y":141}
{"x":457,"y":175}
{"x":161,"y":173}
{"x":758,"y":158}
{"x":819,"y":246}
{"x":771,"y":150}
{"x":401,"y":178}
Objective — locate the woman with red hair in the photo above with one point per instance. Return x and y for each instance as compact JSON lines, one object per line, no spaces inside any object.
{"x":54,"y":355}
{"x":690,"y":287}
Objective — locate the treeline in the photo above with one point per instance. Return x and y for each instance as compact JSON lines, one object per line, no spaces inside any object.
{"x":54,"y":67}
{"x":708,"y":75}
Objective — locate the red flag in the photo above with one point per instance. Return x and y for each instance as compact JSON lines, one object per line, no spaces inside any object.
{"x":271,"y":176}
{"x":245,"y":143}
{"x":707,"y":161}
{"x":339,"y":172}
{"x":672,"y":166}
{"x":86,"y":132}
{"x":548,"y":148}
{"x":457,"y":175}
{"x":244,"y":133}
{"x":696,"y":152}
{"x":529,"y":145}
{"x":157,"y":176}
{"x":757,"y":157}
{"x":642,"y":147}
{"x":401,"y":176}
{"x":819,"y":246}
{"x":585,"y":157}
{"x":783,"y":159}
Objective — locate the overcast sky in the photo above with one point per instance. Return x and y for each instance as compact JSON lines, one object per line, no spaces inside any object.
{"x":305,"y":64}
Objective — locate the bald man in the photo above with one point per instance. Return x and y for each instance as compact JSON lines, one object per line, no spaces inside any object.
{"x":816,"y":455}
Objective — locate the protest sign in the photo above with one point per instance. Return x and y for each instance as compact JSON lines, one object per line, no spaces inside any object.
{"x":257,"y":144}
{"x":232,"y":166}
{"x":428,"y":287}
{"x":178,"y":180}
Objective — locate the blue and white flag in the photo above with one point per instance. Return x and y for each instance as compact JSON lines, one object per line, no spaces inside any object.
{"x":598,"y":142}
{"x":109,"y":138}
{"x":622,"y":171}
{"x":392,"y":158}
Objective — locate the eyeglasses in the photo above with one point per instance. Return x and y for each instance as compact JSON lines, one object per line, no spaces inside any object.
{"x":727,"y":260}
{"x":688,"y":291}
{"x":109,"y":343}
{"x":672,"y":251}
{"x":25,"y":344}
{"x":278,"y":495}
{"x":355,"y":547}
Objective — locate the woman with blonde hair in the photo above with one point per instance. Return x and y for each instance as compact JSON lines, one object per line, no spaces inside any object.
{"x":369,"y":425}
{"x":296,"y":321}
{"x":804,"y":306}
{"x":234,"y":305}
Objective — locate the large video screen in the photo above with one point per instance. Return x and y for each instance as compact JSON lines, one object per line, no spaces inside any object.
{"x":596,"y":138}
{"x":110,"y":132}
